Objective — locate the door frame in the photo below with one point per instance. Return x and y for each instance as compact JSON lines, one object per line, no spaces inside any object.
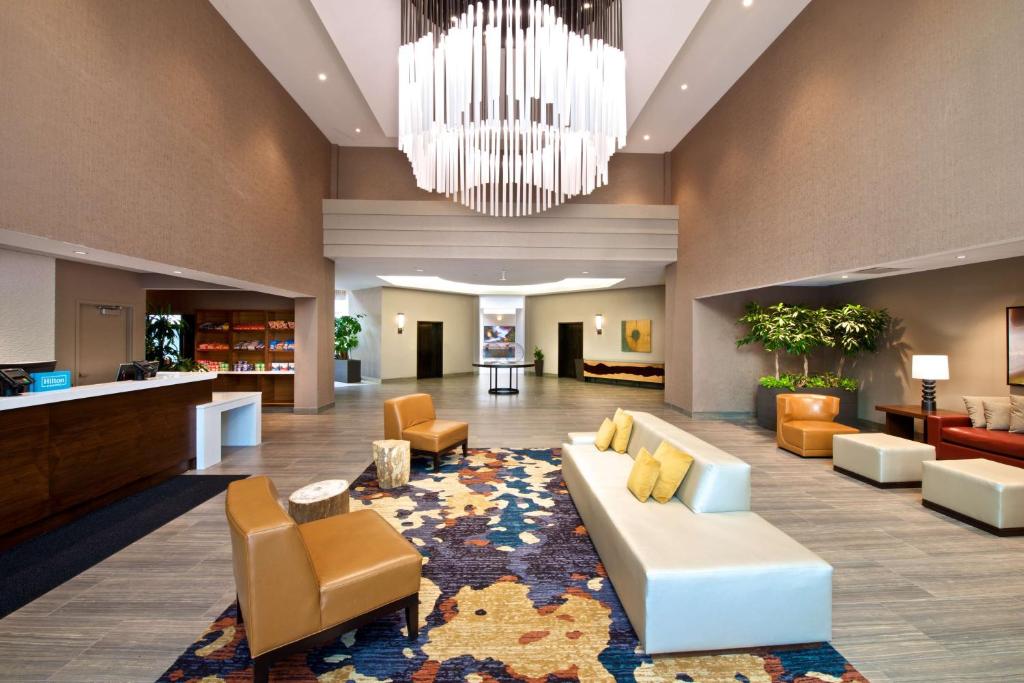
{"x":126,"y":310}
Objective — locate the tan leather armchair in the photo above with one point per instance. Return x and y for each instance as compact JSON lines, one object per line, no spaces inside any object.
{"x":412,"y":418}
{"x":805,"y":426}
{"x":303,"y":585}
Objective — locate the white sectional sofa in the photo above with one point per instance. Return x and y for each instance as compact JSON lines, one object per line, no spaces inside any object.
{"x":701,"y":572}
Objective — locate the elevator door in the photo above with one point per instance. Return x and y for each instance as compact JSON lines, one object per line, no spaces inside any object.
{"x":570,"y":348}
{"x":429,"y":349}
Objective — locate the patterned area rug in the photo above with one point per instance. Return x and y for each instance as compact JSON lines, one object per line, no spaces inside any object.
{"x":512,"y":590}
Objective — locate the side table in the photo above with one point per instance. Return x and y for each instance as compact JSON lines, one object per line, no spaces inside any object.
{"x":899,"y":419}
{"x":317,"y":501}
{"x":391,"y":456}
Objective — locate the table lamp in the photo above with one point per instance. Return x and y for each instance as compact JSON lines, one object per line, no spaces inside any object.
{"x":928,"y":369}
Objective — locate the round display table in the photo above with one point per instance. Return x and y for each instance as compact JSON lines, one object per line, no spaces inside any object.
{"x":319,"y":500}
{"x":391,"y":456}
{"x":494,"y":370}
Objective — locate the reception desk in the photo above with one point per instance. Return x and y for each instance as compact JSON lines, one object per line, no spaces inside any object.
{"x":63,"y":453}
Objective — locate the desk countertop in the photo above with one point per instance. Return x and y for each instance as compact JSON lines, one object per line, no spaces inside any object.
{"x":163,"y":379}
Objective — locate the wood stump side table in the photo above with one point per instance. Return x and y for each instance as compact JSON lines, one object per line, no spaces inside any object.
{"x":317,"y":501}
{"x":391,"y":456}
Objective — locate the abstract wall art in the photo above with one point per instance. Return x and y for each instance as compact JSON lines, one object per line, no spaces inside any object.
{"x":636,"y":336}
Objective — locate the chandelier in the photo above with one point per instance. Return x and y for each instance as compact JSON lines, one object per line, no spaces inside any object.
{"x":513,"y":107}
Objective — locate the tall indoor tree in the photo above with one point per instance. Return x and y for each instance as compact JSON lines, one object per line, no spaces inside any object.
{"x":856,"y":329}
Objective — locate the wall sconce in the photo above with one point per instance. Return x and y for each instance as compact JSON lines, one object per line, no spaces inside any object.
{"x":400,"y":322}
{"x":599,"y":323}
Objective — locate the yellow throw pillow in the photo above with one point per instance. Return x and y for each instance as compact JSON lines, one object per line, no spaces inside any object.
{"x":643,"y":476}
{"x":674,"y":466}
{"x":623,"y":428}
{"x":604,"y":435}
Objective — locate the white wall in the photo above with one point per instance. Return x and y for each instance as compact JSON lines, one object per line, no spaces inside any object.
{"x":543,"y":313}
{"x":368,"y":303}
{"x":27,"y":307}
{"x":458,"y":312}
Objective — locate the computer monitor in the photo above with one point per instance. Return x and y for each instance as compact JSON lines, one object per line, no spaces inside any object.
{"x":137,"y":370}
{"x":34,"y":366}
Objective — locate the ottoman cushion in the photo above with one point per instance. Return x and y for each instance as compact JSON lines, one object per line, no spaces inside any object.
{"x":986,"y":491}
{"x":882,"y":458}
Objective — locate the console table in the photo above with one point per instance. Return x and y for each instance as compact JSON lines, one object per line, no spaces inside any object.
{"x":899,"y":419}
{"x":513,"y":376}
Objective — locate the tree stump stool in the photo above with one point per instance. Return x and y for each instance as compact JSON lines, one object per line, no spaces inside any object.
{"x":319,"y":500}
{"x":391,"y":456}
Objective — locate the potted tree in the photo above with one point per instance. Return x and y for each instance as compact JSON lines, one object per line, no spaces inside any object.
{"x":163,"y":337}
{"x":800,"y":331}
{"x":346,"y":338}
{"x":538,"y":361}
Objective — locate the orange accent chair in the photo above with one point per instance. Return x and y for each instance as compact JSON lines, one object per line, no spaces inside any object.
{"x":300,"y":585}
{"x":805,"y":424}
{"x":412,"y":418}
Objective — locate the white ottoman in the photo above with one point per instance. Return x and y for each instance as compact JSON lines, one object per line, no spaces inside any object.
{"x":982,"y":493}
{"x":882,"y":460}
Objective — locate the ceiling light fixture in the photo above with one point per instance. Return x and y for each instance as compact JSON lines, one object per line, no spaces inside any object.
{"x":322,"y":77}
{"x":80,"y":252}
{"x":514,"y":109}
{"x":359,"y":130}
{"x":962,"y":257}
{"x":176,"y":272}
{"x":748,"y":3}
{"x":647,"y":137}
{"x":437,"y":284}
{"x":684,"y":86}
{"x":844,"y":277}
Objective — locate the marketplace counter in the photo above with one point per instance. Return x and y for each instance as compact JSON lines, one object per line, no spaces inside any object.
{"x":64,"y":453}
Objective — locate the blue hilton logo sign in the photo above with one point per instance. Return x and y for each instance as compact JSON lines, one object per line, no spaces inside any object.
{"x":51,"y":381}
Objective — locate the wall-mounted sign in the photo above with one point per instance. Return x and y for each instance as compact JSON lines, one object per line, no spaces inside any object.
{"x":51,"y":381}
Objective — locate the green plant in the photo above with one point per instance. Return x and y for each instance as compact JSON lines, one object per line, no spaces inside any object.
{"x":857,"y":329}
{"x":346,"y":334}
{"x":796,"y":381}
{"x":163,"y":337}
{"x":538,"y":355}
{"x":188,"y":365}
{"x":796,"y":330}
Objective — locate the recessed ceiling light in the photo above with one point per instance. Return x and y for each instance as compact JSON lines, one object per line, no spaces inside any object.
{"x":359,"y":130}
{"x":748,"y":3}
{"x":845,"y":277}
{"x":322,"y":77}
{"x":586,"y":272}
{"x":80,"y":252}
{"x":419,"y":270}
{"x":586,"y":5}
{"x":176,"y":272}
{"x":962,"y":256}
{"x":647,"y":137}
{"x":684,"y":86}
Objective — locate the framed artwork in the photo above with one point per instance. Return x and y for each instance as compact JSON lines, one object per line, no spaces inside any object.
{"x":636,"y":336}
{"x":1015,"y":345}
{"x":499,"y":333}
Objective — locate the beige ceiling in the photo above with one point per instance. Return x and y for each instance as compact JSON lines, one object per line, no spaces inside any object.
{"x":707,"y":44}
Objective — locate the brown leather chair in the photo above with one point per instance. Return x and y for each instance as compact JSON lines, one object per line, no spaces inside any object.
{"x":412,"y":418}
{"x":303,"y":585}
{"x":804,"y":424}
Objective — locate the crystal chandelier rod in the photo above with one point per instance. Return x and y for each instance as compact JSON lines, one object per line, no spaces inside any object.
{"x":505,"y":108}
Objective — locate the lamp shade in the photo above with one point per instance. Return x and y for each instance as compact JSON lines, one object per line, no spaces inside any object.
{"x":929,"y":367}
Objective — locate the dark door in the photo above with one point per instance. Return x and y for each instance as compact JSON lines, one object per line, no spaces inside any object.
{"x":429,"y":349}
{"x":570,"y":348}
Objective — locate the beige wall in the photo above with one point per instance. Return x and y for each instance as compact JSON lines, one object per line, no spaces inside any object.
{"x":151,"y":130}
{"x":458,"y":312}
{"x":543,"y":313}
{"x":385,"y":173}
{"x":960,"y":312}
{"x":367,"y":302}
{"x":868,"y":132}
{"x":79,"y":283}
{"x":27,"y":295}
